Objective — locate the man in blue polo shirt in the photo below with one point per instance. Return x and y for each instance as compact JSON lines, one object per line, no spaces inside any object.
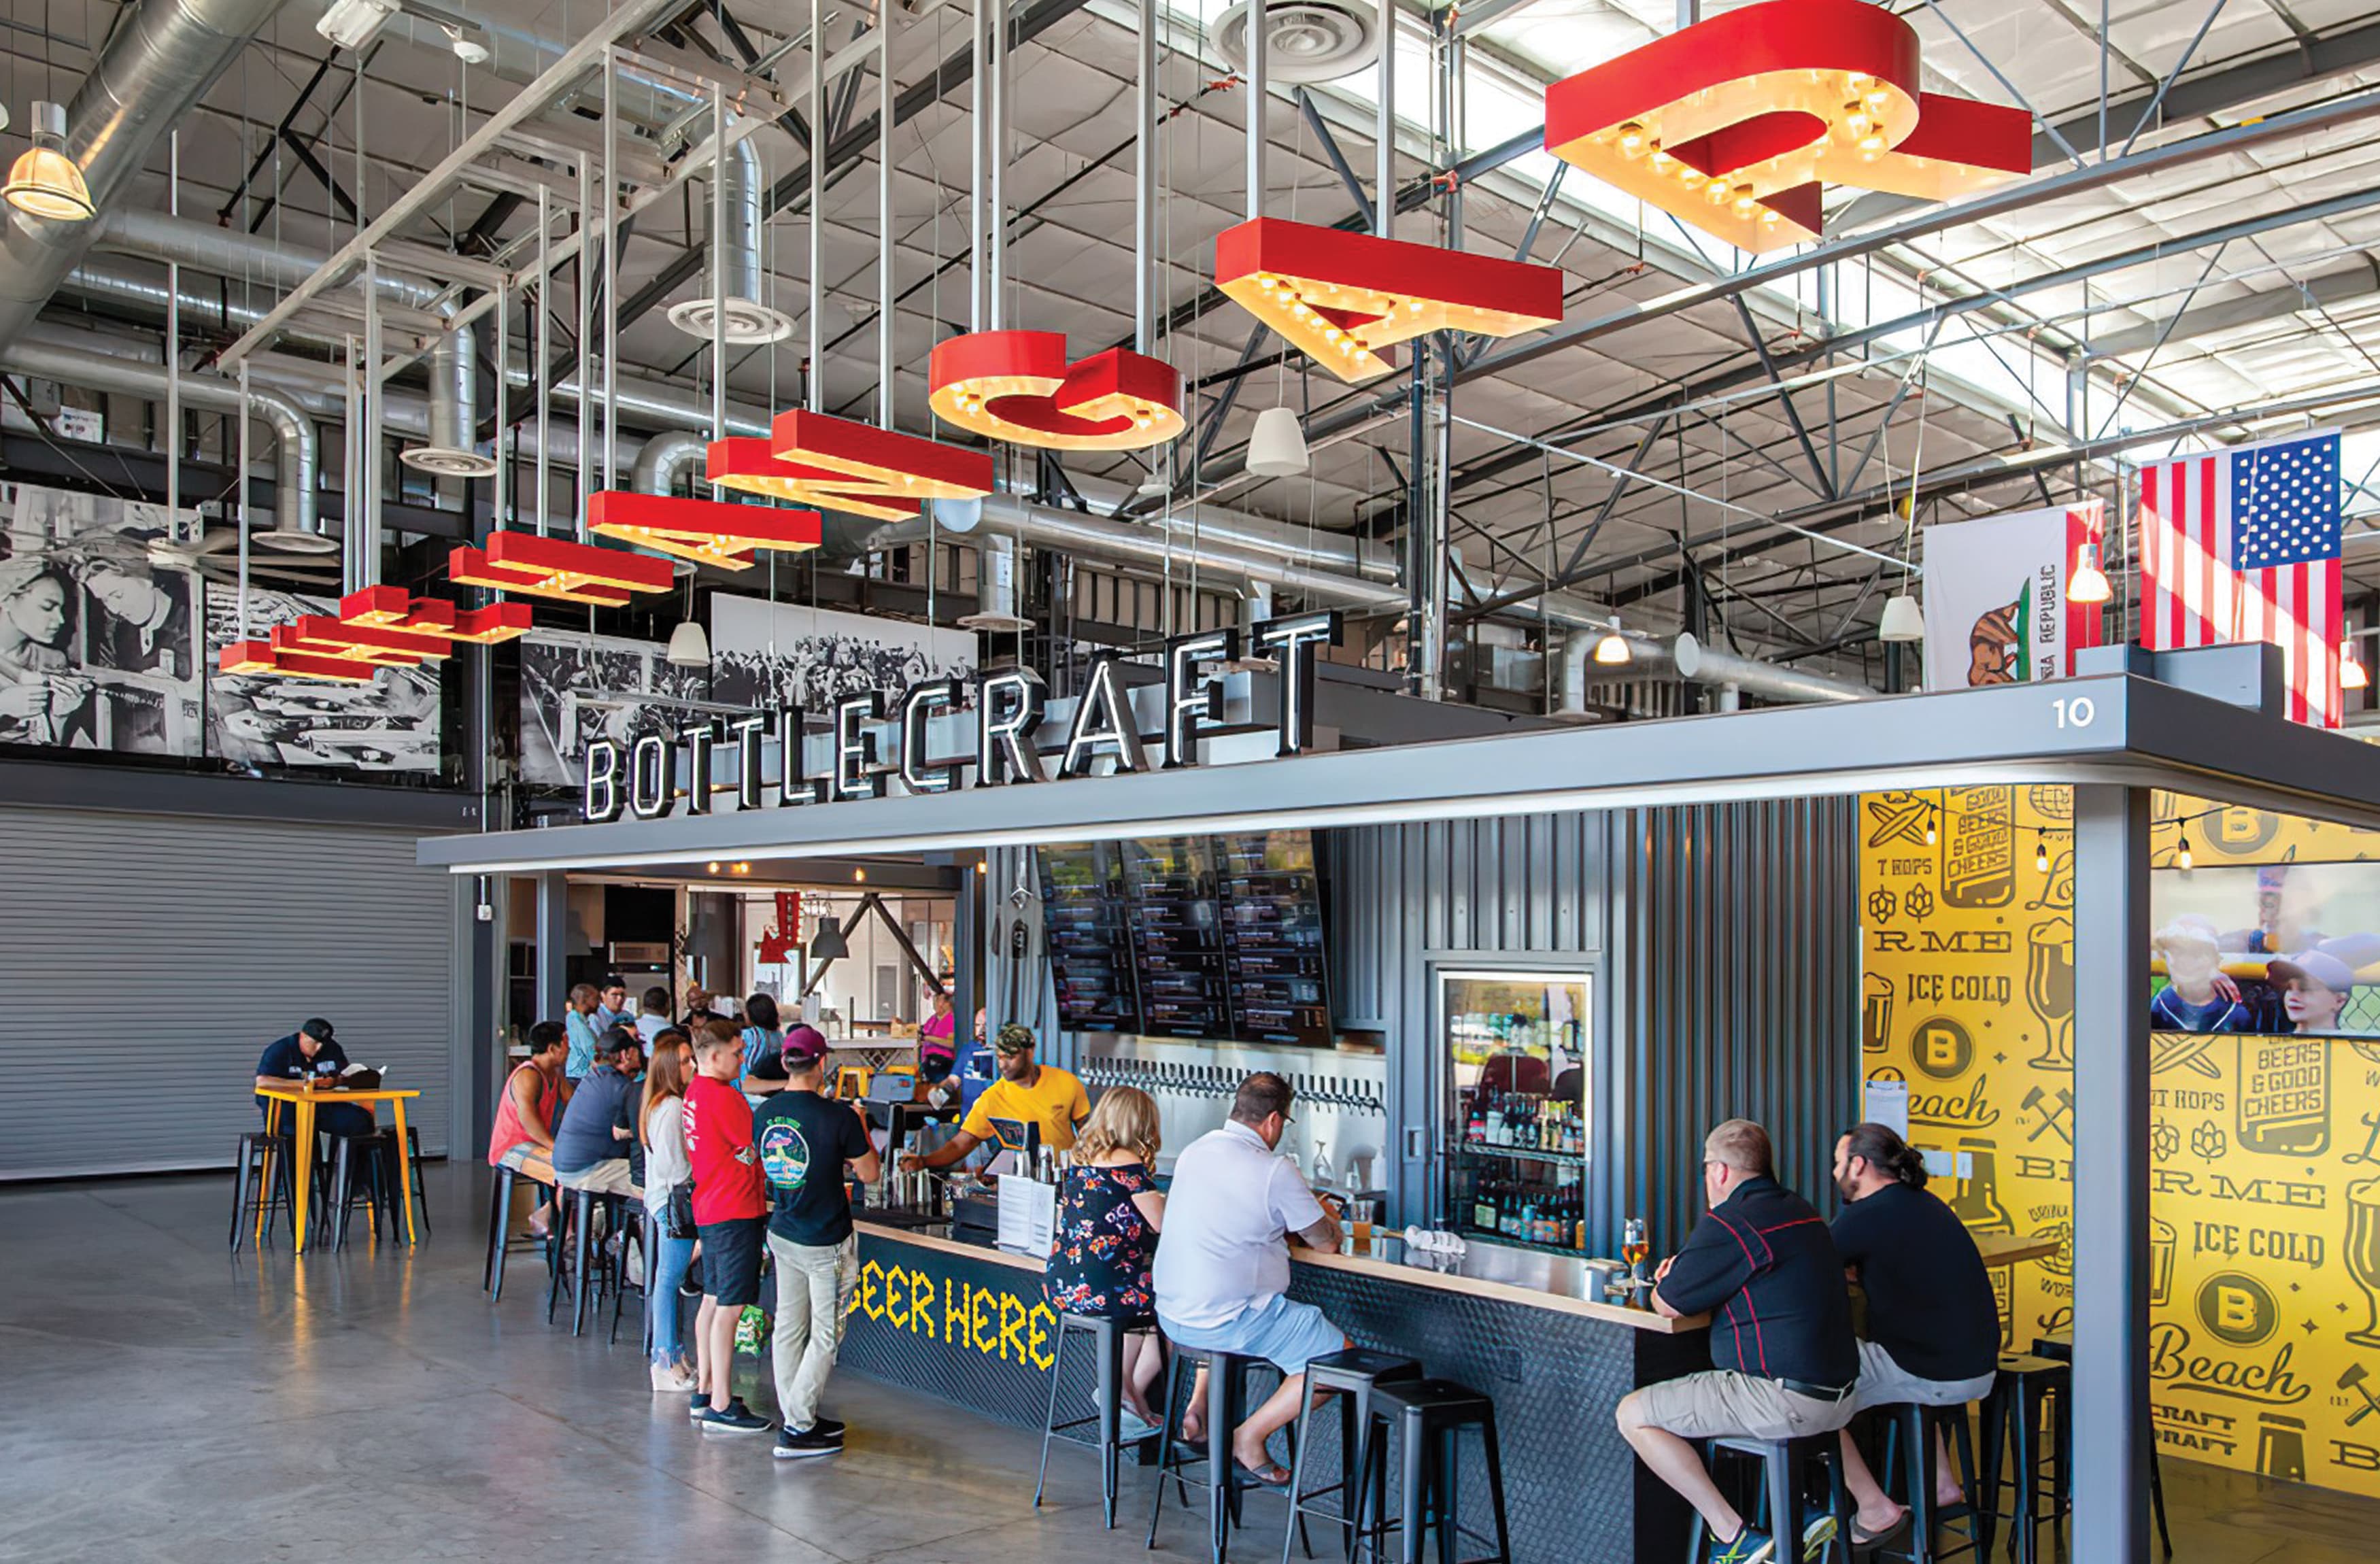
{"x":311,"y":1050}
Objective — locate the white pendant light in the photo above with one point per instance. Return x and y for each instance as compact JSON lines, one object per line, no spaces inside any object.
{"x":1612,"y":650}
{"x":1277,"y":448}
{"x":44,"y":182}
{"x":690,"y":647}
{"x":2351,"y":675}
{"x":2090,"y":583}
{"x":1903,"y":620}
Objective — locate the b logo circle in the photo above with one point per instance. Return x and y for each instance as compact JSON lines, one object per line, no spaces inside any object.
{"x":2238,"y":1309}
{"x":1942,"y":1047}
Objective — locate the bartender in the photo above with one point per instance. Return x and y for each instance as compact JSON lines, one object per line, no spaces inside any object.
{"x":1027,"y":1091}
{"x":312,"y":1052}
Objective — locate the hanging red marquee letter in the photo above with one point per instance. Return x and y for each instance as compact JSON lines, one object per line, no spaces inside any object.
{"x":559,"y":568}
{"x":1343,"y":298}
{"x":1737,"y":124}
{"x":837,"y":463}
{"x":1017,"y":386}
{"x":706,"y":532}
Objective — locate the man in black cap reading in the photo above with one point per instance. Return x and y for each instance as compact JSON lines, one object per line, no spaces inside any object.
{"x":313,"y":1051}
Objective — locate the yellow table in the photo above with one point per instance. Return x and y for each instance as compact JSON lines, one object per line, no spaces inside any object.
{"x":305,"y":1102}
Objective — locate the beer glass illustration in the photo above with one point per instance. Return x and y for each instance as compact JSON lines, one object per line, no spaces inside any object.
{"x":1876,"y":1014}
{"x":2162,"y":1239}
{"x":1978,"y":1202}
{"x":2363,"y":1256}
{"x":2049,"y":990}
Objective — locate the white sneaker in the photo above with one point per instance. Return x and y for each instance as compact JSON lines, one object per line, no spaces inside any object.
{"x":672,"y":1376}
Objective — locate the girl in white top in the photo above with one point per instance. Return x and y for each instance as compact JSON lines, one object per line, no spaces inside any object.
{"x":660,"y":1126}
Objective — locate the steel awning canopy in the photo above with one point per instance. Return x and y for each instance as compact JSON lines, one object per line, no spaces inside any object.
{"x":2123,"y":730}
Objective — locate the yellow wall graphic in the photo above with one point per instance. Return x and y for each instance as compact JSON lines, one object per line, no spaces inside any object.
{"x":2265,"y":1234}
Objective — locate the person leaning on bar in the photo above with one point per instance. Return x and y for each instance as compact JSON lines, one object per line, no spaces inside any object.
{"x":1027,"y":1091}
{"x":1762,"y":1260}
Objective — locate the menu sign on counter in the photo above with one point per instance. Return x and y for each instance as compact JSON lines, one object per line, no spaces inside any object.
{"x":1273,"y":956}
{"x":1087,"y":906}
{"x":1177,"y":938}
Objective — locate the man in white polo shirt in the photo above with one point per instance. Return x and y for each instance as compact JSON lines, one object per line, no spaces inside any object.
{"x":1221,"y":1275}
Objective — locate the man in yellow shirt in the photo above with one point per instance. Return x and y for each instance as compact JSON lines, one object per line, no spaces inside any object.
{"x":1027,"y":1091}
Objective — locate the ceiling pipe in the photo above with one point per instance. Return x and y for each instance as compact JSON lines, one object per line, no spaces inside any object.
{"x":1774,"y":681}
{"x":736,"y":219}
{"x":665,"y":459}
{"x":241,"y":257}
{"x":453,"y":448}
{"x":162,"y":58}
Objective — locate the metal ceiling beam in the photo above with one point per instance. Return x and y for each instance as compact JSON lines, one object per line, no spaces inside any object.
{"x":2357,"y":283}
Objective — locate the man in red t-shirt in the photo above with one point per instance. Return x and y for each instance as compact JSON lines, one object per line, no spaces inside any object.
{"x":730,"y":1213}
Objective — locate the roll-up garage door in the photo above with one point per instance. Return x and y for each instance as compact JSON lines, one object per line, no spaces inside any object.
{"x":149,"y":959}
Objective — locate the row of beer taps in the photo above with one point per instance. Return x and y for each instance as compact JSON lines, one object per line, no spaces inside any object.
{"x":1161,"y":1077}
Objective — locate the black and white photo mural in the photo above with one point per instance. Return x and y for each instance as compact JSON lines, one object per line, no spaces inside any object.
{"x":272,"y":719}
{"x":767,"y":655}
{"x":575,"y":688}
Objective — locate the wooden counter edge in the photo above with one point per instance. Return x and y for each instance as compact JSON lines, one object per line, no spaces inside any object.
{"x":1410,"y":1276}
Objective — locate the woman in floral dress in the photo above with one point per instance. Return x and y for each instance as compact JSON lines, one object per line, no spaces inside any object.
{"x":1108,"y":1214}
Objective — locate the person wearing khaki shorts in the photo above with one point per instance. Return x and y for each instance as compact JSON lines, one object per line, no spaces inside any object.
{"x":1761,"y":1262}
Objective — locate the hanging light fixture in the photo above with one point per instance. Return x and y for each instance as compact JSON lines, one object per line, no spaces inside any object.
{"x":2351,"y":675}
{"x":1612,"y":650}
{"x":1277,"y":446}
{"x":689,"y":646}
{"x":44,"y":182}
{"x":2089,"y":585}
{"x":1903,"y":620}
{"x":2181,"y":855}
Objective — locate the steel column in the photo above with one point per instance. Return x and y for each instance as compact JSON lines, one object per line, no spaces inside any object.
{"x":553,"y":943}
{"x":2112,"y":1430}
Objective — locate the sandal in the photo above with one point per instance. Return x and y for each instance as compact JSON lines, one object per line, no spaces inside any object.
{"x":1269,"y":1474}
{"x":1869,"y":1539}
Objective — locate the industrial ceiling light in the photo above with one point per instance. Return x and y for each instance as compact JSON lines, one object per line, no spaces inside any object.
{"x":1903,"y":620}
{"x":44,"y":182}
{"x":689,"y":646}
{"x":351,"y":24}
{"x":2351,"y":675}
{"x":1277,"y":448}
{"x":470,"y":51}
{"x":1613,"y":650}
{"x":828,"y":944}
{"x":2090,"y":583}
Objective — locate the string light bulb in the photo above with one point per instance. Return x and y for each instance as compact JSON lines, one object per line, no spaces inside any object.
{"x":1932,"y":835}
{"x":1632,"y":140}
{"x":2351,"y":675}
{"x":859,"y":876}
{"x":2041,"y":851}
{"x":2181,"y":855}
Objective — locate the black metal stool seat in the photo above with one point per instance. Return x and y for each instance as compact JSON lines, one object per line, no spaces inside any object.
{"x":1107,"y":1373}
{"x":1354,"y":1373}
{"x":1427,"y":1417}
{"x":2012,"y":1418}
{"x":260,"y":1187}
{"x":501,"y":1243}
{"x":1226,"y":1481}
{"x":1785,"y":1484}
{"x":574,"y":1207}
{"x":1914,"y":1427}
{"x":2058,"y":1347}
{"x":636,"y":1215}
{"x":413,"y":1192}
{"x":352,"y":1175}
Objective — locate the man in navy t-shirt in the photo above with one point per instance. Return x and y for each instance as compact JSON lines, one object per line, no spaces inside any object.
{"x":313,"y":1051}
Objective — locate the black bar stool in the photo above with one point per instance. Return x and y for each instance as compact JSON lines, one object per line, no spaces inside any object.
{"x":1107,"y":1372}
{"x":1227,"y":1399}
{"x":2012,"y":1420}
{"x":414,"y":1192}
{"x":1355,"y":1373}
{"x":635,"y":1209}
{"x":575,"y":1208}
{"x":2058,"y":1347}
{"x":260,"y":1187}
{"x":351,"y":1176}
{"x":1785,"y":1480}
{"x":1427,"y":1417}
{"x":501,"y":1242}
{"x":1910,"y":1426}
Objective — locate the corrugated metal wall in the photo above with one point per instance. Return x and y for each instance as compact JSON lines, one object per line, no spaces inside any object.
{"x":150,"y":959}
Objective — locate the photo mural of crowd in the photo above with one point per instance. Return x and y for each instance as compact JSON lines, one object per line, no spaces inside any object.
{"x":108,"y":638}
{"x":2265,"y":1231}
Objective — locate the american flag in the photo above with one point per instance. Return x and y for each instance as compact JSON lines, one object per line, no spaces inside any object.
{"x":2243,"y":544}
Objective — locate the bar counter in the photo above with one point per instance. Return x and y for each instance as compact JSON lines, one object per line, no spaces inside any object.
{"x":967,"y":1321}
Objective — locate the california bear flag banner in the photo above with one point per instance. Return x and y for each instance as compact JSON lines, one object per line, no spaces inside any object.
{"x":1996,"y":605}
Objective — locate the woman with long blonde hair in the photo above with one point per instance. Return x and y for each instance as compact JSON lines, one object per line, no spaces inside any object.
{"x":1109,"y":1214}
{"x":661,"y":1129}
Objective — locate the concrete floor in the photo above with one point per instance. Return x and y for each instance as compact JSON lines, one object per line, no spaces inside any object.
{"x":162,"y":1400}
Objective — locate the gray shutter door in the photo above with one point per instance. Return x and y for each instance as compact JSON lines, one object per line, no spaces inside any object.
{"x":149,"y":959}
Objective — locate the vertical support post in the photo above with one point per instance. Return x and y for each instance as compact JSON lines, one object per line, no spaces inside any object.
{"x":174,"y":347}
{"x":586,"y":329}
{"x":610,"y":266}
{"x":2111,"y":1175}
{"x":1252,"y":80}
{"x":281,"y":503}
{"x":368,"y":555}
{"x":544,"y":336}
{"x":1144,"y":194}
{"x":351,"y":462}
{"x":886,"y":302}
{"x":816,"y":373}
{"x":996,"y":178}
{"x":1384,"y":134}
{"x":967,"y":958}
{"x":553,"y":943}
{"x":500,"y":504}
{"x":979,"y":122}
{"x":719,"y":268}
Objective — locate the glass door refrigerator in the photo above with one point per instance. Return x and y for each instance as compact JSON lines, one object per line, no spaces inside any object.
{"x":1516,"y":1051}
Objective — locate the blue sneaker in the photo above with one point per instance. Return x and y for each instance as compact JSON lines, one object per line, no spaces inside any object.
{"x":1817,"y":1536}
{"x":1752,"y":1546}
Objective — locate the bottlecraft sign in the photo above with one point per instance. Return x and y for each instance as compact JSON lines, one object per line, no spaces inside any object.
{"x":641,"y":778}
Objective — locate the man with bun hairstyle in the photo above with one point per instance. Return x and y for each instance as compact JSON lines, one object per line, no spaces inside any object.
{"x":1933,"y":1328}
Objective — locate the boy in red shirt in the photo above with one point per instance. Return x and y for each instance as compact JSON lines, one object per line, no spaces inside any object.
{"x":729,"y":1217}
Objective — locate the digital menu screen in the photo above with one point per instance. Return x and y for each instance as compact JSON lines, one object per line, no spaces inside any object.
{"x":1177,"y":938}
{"x":1086,"y":909}
{"x":1274,"y":962}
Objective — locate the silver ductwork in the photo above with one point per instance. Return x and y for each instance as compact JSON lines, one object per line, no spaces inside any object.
{"x":297,"y":453}
{"x":1773,"y":681}
{"x":160,"y":59}
{"x":453,"y":450}
{"x":277,"y":265}
{"x":735,"y":270}
{"x":995,"y":592}
{"x":665,"y":459}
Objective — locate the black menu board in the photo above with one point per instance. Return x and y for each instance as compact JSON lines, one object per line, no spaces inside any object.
{"x":1177,"y":940}
{"x":1273,"y":956}
{"x":1085,"y":907}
